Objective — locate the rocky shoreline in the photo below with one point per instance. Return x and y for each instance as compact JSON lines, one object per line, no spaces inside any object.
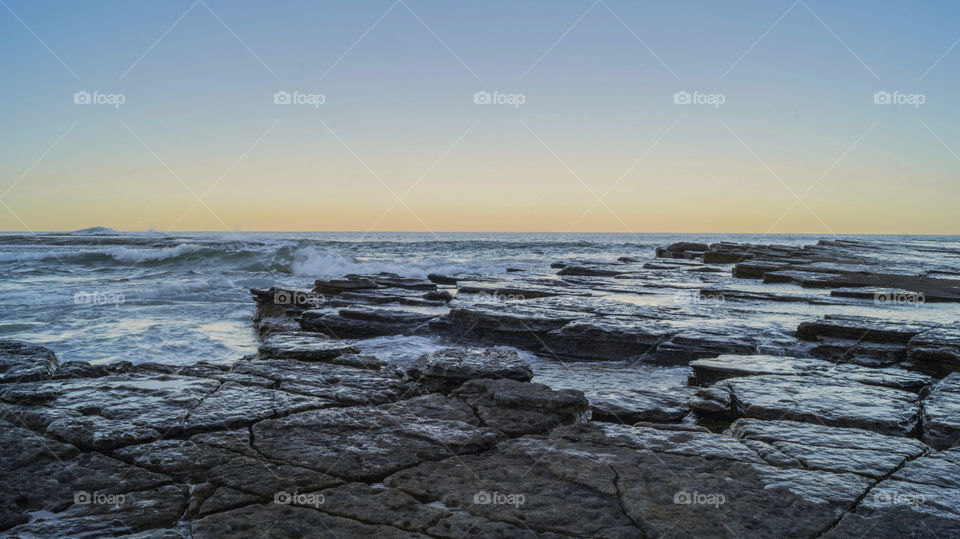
{"x":804,"y":411}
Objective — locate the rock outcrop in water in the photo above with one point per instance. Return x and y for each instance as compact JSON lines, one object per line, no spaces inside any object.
{"x":826,"y":420}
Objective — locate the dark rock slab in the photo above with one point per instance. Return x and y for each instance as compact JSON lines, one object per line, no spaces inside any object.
{"x":350,"y":283}
{"x":441,"y":279}
{"x":634,"y":405}
{"x":364,"y":323}
{"x":381,"y":506}
{"x":711,"y":370}
{"x":816,"y":447}
{"x":608,"y":338}
{"x":279,"y":520}
{"x":507,"y":324}
{"x":517,"y":408}
{"x":903,"y":509}
{"x":861,"y":328}
{"x":370,"y":442}
{"x":395,"y":281}
{"x":155,"y":401}
{"x":196,"y":460}
{"x":445,"y":370}
{"x":816,"y":399}
{"x":941,"y":414}
{"x":347,"y":385}
{"x":303,"y":346}
{"x":589,"y":271}
{"x":134,"y":512}
{"x":937,"y":349}
{"x":23,"y":362}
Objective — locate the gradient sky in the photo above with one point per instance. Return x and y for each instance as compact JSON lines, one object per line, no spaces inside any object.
{"x":598,"y":145}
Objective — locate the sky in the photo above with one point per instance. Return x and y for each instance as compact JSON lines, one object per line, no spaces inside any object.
{"x":424,"y":115}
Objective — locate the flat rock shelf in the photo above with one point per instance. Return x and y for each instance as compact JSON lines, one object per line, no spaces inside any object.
{"x":821,"y":398}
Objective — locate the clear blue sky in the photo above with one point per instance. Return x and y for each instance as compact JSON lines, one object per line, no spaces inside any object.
{"x":399,"y":144}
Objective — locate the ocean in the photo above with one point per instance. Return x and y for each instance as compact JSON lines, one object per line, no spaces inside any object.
{"x":102,"y":296}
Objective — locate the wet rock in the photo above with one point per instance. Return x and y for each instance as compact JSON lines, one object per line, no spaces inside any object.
{"x":441,"y":295}
{"x":224,"y":499}
{"x":82,"y":369}
{"x":344,"y":384}
{"x":902,"y":509}
{"x":279,"y":520}
{"x":491,"y":488}
{"x":812,"y":399}
{"x":447,"y":369}
{"x":196,"y":460}
{"x":833,"y":449}
{"x":506,"y":292}
{"x":351,"y":282}
{"x":155,"y":401}
{"x":234,"y":405}
{"x":304,"y":346}
{"x":370,"y":442}
{"x":23,"y":362}
{"x":936,"y":350}
{"x":588,"y":271}
{"x":441,"y":279}
{"x":395,"y":281}
{"x":508,"y":324}
{"x":693,"y":343}
{"x":634,"y":405}
{"x":98,"y":433}
{"x":864,"y":353}
{"x":517,"y":408}
{"x":380,"y":506}
{"x":861,"y":328}
{"x":364,"y":323}
{"x":709,"y":371}
{"x":38,"y":473}
{"x":941,"y":421}
{"x":608,"y":338}
{"x":127,"y":513}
